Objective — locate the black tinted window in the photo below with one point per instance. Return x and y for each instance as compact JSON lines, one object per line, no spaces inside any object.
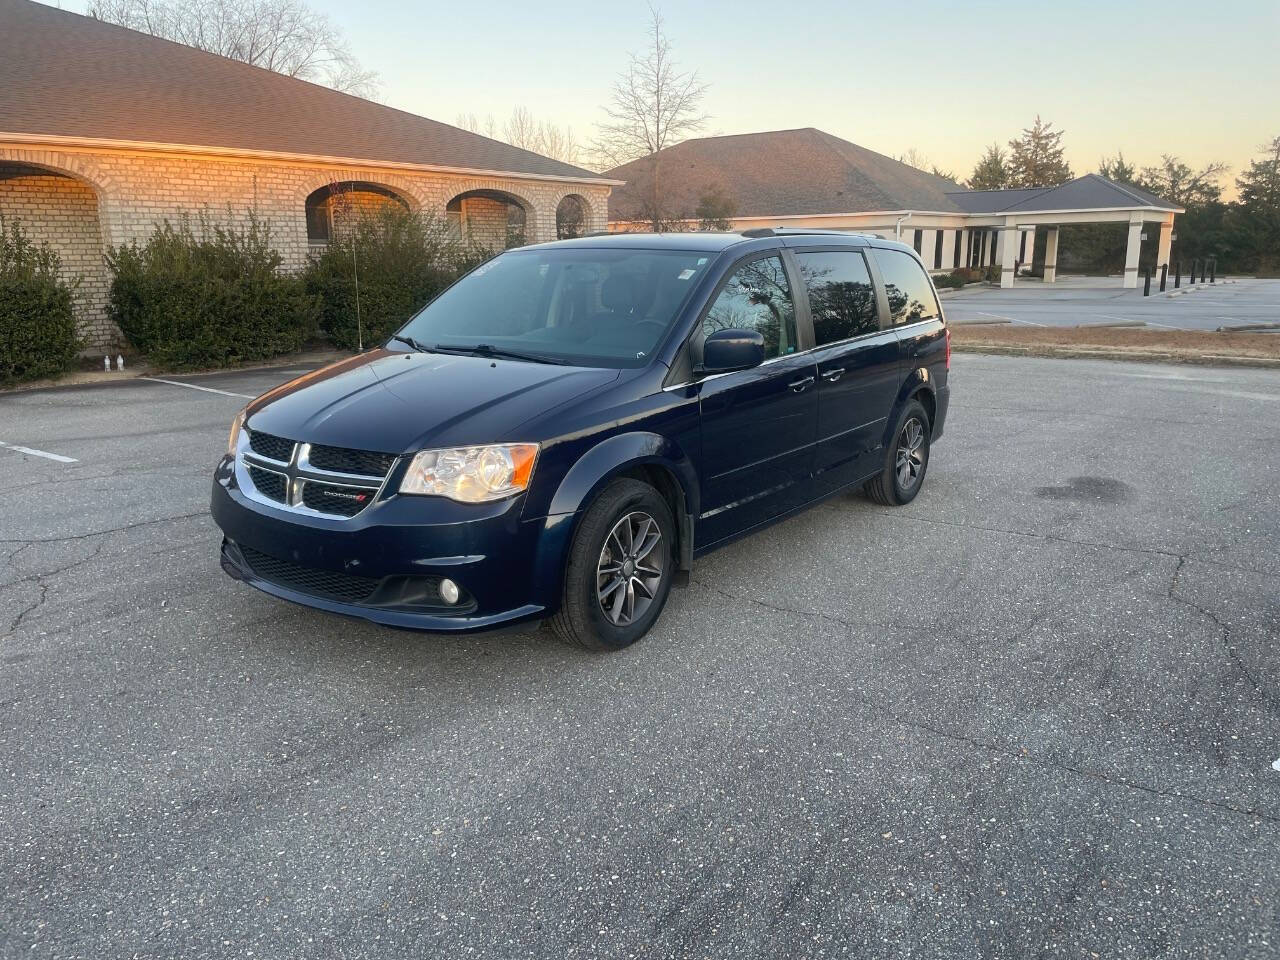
{"x":757,"y":297}
{"x":841,"y":298}
{"x":907,"y":287}
{"x":583,"y":305}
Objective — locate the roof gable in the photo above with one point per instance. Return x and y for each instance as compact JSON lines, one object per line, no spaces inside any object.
{"x":778,"y":173}
{"x":1090,"y":192}
{"x":64,"y":75}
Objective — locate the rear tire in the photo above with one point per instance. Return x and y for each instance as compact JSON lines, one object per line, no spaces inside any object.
{"x":906,"y":459}
{"x":618,"y":576}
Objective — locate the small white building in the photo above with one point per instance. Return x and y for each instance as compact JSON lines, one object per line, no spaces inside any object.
{"x":808,"y":178}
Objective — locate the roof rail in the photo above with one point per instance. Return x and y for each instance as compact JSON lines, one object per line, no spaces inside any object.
{"x":801,"y":231}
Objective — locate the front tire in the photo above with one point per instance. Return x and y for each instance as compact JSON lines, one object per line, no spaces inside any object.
{"x":906,"y":459}
{"x":621,"y":565}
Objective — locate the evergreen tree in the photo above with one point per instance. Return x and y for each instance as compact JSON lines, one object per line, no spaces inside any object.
{"x":1118,"y":169}
{"x":990,"y":173}
{"x":1257,"y":218}
{"x":1035,"y":159}
{"x":1176,"y":182}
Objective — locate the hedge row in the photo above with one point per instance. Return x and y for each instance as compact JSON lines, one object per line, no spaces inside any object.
{"x":218,"y":296}
{"x":211,"y":299}
{"x":37,"y":325}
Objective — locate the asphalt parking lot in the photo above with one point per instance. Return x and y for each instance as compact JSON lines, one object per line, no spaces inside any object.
{"x":1084,"y":300}
{"x":1034,"y":713}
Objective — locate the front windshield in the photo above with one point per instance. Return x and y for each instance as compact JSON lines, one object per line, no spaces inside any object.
{"x":582,"y":306}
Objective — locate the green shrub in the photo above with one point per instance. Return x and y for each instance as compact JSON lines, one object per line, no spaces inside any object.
{"x":209,"y":300}
{"x":401,"y":260}
{"x":944,"y":281}
{"x":991,"y":272}
{"x":37,"y":326}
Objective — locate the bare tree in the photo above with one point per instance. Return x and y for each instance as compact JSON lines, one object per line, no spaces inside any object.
{"x":525,"y":131}
{"x":469,"y":121}
{"x":285,"y":36}
{"x":654,"y":106}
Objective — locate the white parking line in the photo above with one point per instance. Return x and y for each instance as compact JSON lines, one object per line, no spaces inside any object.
{"x":38,"y":453}
{"x":192,"y":386}
{"x":1010,"y":319}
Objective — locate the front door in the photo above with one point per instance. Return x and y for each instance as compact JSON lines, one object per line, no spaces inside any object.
{"x":857,"y":360}
{"x":758,"y":425}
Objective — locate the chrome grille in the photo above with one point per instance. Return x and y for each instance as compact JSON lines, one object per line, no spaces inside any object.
{"x":274,"y":486}
{"x":334,"y":482}
{"x":270,"y":446}
{"x":340,"y":460}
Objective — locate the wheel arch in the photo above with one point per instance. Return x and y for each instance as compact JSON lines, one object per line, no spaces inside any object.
{"x":918,"y":383}
{"x":643,"y":455}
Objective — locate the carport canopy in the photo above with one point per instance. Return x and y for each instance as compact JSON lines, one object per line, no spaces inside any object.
{"x":1087,"y":199}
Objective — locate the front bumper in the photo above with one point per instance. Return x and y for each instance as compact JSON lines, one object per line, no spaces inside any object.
{"x":510,"y":569}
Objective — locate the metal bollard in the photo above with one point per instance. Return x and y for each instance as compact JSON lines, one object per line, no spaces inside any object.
{"x":1164,"y":275}
{"x":1146,"y":281}
{"x":1213,"y":271}
{"x":1177,"y":276}
{"x":1203,"y":264}
{"x":1194,"y":263}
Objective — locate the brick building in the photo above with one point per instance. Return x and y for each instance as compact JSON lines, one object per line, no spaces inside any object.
{"x":105,"y":132}
{"x":809,"y":178}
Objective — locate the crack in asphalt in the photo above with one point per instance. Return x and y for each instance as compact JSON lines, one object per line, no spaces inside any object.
{"x":41,"y":582}
{"x":1224,"y":628}
{"x":1024,"y":756}
{"x":102,"y":533}
{"x":1098,"y":544}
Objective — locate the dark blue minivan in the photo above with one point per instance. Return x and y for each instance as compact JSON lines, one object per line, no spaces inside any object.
{"x":560,"y":433}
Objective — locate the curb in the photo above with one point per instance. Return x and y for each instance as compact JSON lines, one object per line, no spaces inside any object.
{"x":1136,"y":356}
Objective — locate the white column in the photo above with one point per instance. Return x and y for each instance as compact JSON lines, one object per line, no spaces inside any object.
{"x":1166,"y":242}
{"x":1132,"y":250}
{"x":1051,"y":256}
{"x":1008,"y":252}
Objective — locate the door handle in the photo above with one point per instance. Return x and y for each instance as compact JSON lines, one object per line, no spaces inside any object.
{"x":833,"y":375}
{"x":799,"y":386}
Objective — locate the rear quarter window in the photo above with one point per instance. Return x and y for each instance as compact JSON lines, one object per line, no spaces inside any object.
{"x":907,"y":287}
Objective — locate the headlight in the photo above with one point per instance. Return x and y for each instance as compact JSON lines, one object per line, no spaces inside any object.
{"x":234,"y":437}
{"x":472,"y":474}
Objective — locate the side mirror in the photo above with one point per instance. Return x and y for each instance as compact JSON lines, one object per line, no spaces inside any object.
{"x":727,"y":350}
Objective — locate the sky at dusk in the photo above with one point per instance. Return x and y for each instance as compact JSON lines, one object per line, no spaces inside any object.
{"x":1201,"y":81}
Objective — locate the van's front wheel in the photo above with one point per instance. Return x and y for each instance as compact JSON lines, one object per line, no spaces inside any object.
{"x":620,"y":568}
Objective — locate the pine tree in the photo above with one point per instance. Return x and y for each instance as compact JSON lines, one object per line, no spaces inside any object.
{"x":1035,"y":159}
{"x":990,"y":173}
{"x":1118,"y":169}
{"x":1257,"y":218}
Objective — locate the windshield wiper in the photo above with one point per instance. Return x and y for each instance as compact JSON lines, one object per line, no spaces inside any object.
{"x":489,"y":350}
{"x":420,"y":347}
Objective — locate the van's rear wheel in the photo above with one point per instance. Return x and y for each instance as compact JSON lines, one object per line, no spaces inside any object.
{"x":620,"y":568}
{"x":906,"y":459}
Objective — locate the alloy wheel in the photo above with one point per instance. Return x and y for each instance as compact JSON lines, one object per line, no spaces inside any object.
{"x":910,"y":461}
{"x":629,"y":572}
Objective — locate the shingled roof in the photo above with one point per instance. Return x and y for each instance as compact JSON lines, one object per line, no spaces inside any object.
{"x":1090,"y":192}
{"x":67,"y":76}
{"x":780,"y":173}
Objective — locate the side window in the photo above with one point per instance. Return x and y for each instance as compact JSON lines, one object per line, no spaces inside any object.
{"x":907,"y":287}
{"x":757,"y":297}
{"x":841,"y":298}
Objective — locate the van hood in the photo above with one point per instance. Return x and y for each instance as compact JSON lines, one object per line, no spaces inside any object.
{"x":393,"y":402}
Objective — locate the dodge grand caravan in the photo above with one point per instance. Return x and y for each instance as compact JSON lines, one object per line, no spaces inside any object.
{"x":564,"y":430}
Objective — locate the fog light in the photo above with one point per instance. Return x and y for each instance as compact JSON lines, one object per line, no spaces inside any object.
{"x":449,"y":590}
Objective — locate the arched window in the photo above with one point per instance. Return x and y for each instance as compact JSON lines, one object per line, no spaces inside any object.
{"x":571,"y":217}
{"x":336,"y":206}
{"x":490,"y":218}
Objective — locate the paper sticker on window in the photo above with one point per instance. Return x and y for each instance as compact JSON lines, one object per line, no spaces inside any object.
{"x":686,"y":274}
{"x":701,"y":261}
